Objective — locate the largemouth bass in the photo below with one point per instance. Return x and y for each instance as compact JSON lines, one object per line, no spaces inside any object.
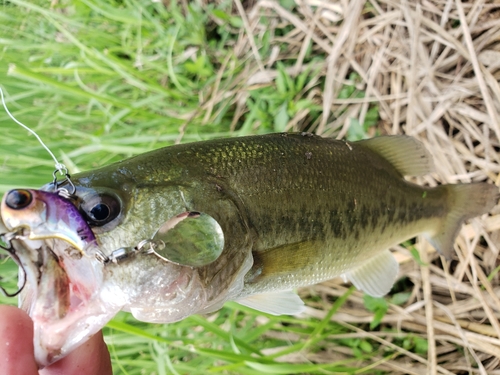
{"x":294,"y":210}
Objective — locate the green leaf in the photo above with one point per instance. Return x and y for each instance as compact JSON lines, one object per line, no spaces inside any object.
{"x":281,"y":82}
{"x":374,"y":303}
{"x":421,"y":345}
{"x":372,"y":117}
{"x":236,"y":22}
{"x":220,"y":14}
{"x":281,"y":118}
{"x":356,"y":131}
{"x":303,"y":104}
{"x":200,"y":67}
{"x":301,"y":80}
{"x":377,"y":318}
{"x":287,"y":4}
{"x":365,"y":346}
{"x":378,"y":306}
{"x":400,"y":298}
{"x":416,"y":255}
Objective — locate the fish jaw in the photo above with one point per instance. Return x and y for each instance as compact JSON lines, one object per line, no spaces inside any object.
{"x":64,"y":296}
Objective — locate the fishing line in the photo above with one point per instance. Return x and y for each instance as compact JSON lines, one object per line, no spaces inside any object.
{"x":59,"y":166}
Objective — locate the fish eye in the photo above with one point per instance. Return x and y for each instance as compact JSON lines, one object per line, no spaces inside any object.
{"x":100,"y":209}
{"x":18,"y":199}
{"x":100,"y":212}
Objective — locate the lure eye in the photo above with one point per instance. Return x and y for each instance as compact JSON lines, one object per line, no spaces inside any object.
{"x":18,"y":199}
{"x":100,"y":209}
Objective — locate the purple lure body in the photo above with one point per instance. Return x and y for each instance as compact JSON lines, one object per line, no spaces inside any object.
{"x":46,"y":215}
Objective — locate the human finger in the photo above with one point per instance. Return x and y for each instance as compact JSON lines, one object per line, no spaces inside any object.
{"x":16,"y":342}
{"x":90,"y":358}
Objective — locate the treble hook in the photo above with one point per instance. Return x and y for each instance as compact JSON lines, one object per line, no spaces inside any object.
{"x":63,"y":192}
{"x":15,"y":258}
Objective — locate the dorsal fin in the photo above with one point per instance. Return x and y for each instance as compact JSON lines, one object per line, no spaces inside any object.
{"x":408,"y":155}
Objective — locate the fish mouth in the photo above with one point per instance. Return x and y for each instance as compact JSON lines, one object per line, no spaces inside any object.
{"x":63,"y":295}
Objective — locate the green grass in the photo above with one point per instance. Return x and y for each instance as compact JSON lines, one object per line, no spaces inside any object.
{"x":100,"y":81}
{"x":103,"y":80}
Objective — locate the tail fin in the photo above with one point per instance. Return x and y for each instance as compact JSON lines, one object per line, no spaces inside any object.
{"x":466,"y":201}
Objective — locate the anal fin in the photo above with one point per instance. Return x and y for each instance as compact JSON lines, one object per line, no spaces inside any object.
{"x":376,"y":276}
{"x":275,"y":303}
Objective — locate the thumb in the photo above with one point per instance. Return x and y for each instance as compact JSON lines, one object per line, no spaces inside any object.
{"x":16,"y":342}
{"x":90,"y":358}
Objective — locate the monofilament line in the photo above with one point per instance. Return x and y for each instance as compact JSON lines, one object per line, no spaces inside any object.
{"x":59,"y":166}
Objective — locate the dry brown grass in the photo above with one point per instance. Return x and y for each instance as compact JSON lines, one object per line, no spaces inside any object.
{"x":433,"y":69}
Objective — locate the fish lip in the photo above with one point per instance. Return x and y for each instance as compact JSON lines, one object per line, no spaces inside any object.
{"x":63,"y":296}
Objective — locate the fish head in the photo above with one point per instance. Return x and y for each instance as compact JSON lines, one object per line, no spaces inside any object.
{"x":145,"y":198}
{"x":56,"y":248}
{"x":121,"y":209}
{"x":68,"y":248}
{"x":154,"y":288}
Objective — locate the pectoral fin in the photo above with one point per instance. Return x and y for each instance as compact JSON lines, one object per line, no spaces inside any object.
{"x":275,"y":303}
{"x":376,"y":276}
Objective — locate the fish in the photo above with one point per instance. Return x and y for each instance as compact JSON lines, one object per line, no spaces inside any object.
{"x":293,"y":209}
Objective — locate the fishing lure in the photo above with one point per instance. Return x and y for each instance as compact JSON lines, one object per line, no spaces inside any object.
{"x":7,"y":238}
